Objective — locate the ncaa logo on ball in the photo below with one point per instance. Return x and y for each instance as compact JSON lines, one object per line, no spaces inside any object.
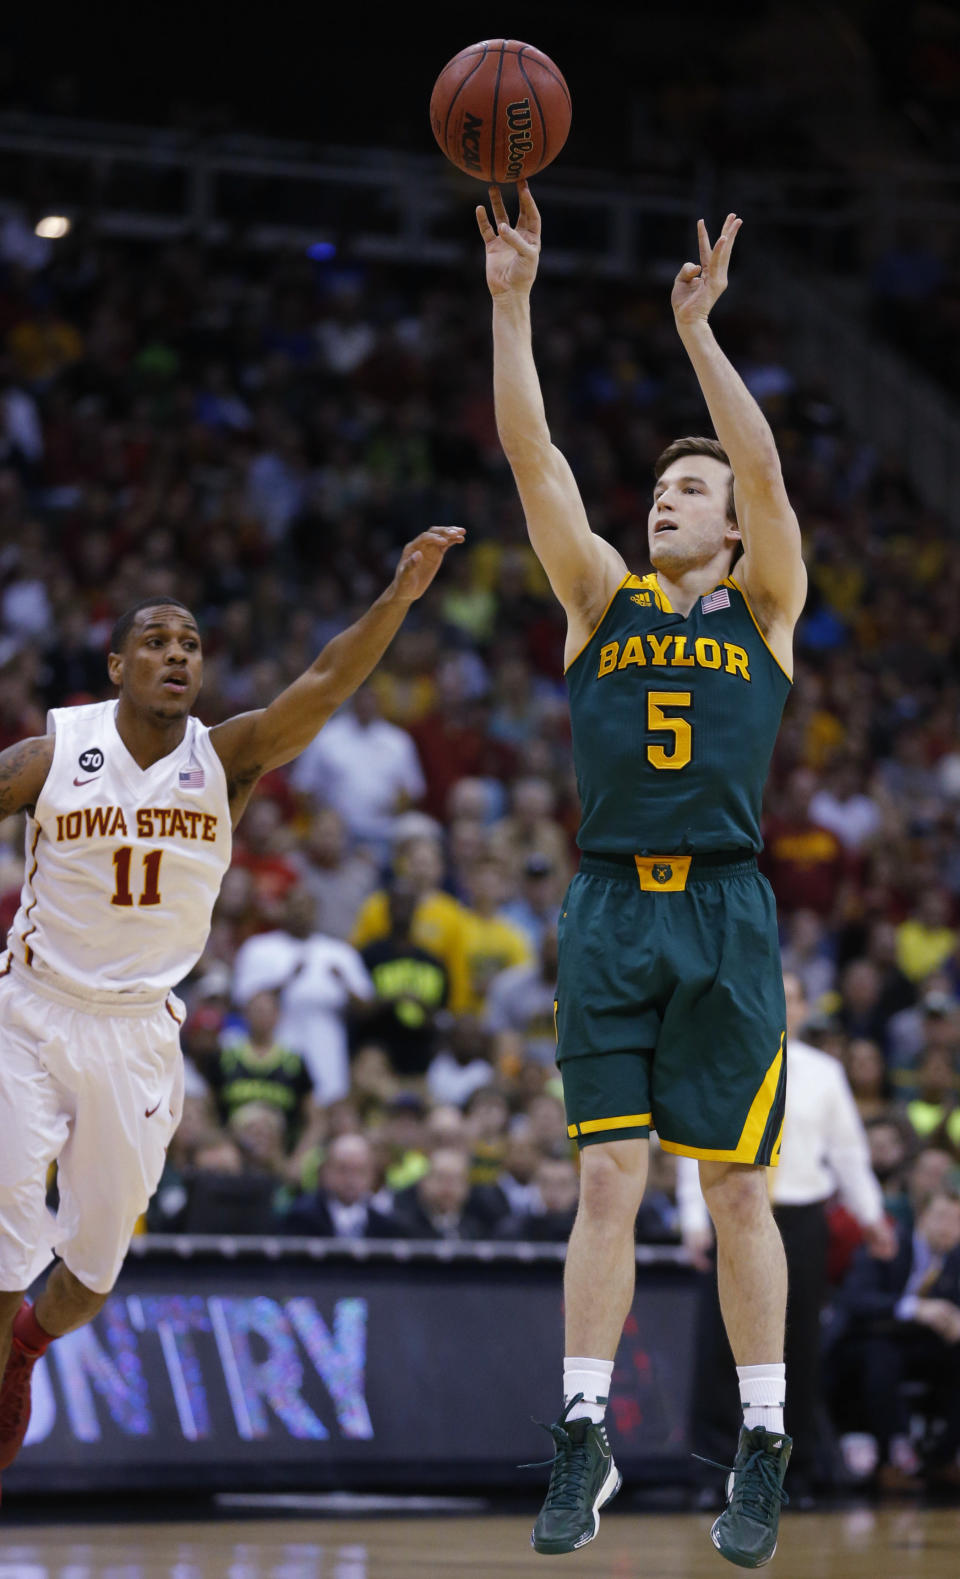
{"x":470,"y":141}
{"x":91,"y":761}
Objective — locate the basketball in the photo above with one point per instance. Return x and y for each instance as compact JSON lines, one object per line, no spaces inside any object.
{"x":500,"y":110}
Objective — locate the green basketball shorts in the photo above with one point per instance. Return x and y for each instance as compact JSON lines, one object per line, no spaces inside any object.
{"x":670,"y":1008}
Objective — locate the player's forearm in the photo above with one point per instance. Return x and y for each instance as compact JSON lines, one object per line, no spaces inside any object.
{"x":517,"y":397}
{"x":738,"y":422}
{"x":351,"y":657}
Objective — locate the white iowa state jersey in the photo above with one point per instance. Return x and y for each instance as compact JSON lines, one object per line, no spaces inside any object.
{"x":124,"y":863}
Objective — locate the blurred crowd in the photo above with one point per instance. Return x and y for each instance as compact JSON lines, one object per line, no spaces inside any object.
{"x":370,"y":1032}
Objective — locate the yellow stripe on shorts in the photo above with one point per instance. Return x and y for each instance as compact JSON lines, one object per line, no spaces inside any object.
{"x":593,"y":1126}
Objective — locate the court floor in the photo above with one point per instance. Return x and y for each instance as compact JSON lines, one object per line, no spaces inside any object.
{"x":864,"y":1543}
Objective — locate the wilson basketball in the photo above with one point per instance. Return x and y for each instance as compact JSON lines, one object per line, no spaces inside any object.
{"x":500,"y":110}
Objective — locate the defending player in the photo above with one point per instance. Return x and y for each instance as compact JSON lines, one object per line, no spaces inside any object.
{"x":131,"y":807}
{"x":670,"y":1002}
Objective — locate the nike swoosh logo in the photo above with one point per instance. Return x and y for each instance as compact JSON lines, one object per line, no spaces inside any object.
{"x":78,"y":782}
{"x":151,"y":1110}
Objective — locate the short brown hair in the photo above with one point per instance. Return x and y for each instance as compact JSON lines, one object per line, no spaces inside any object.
{"x":701,"y":446}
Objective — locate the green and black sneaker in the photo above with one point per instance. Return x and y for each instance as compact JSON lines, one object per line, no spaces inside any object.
{"x":746,"y":1531}
{"x":582,"y":1479}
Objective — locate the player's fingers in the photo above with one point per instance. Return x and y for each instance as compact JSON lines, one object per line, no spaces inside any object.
{"x":689,"y":272}
{"x":704,"y":243}
{"x":529,"y":211}
{"x":513,"y":239}
{"x":486,"y":229}
{"x":497,"y":204}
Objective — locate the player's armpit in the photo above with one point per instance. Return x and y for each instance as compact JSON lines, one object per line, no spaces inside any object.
{"x":23,"y":773}
{"x":252,"y":744}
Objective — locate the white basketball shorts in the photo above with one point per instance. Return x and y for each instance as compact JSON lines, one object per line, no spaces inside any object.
{"x":99,"y":1090}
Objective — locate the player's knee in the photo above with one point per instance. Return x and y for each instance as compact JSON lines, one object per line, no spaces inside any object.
{"x":609,"y":1186}
{"x":737,"y":1197}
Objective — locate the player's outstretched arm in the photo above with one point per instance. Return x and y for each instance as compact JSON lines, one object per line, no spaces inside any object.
{"x":253,"y":743}
{"x":772,"y":571}
{"x":23,"y":773}
{"x":582,"y":568}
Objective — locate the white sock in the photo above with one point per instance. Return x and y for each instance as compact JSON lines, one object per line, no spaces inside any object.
{"x":592,"y":1379}
{"x":763,"y":1389}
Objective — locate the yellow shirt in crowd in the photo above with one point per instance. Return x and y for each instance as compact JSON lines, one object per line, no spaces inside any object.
{"x":473,"y":948}
{"x":439,"y":925}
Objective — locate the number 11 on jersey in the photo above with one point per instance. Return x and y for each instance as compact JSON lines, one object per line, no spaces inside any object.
{"x":150,"y":894}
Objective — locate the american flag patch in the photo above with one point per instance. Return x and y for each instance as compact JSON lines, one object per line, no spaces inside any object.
{"x":192,"y":778}
{"x":715,"y":600}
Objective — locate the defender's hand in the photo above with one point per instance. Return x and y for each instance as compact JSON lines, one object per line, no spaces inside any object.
{"x":513,"y":252}
{"x":421,"y":560}
{"x":698,"y":285}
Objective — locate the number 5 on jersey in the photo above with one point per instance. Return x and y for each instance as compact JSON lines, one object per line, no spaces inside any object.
{"x":150,"y":894}
{"x":659,"y":722}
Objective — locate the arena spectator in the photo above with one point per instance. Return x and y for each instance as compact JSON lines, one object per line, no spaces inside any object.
{"x":807,"y":953}
{"x":437,"y":1207}
{"x":338,"y":880}
{"x":896,"y":1320}
{"x":463,"y":1062}
{"x":491,"y":943}
{"x":513,"y":1194}
{"x":933,"y":1112}
{"x":892,"y":1146}
{"x":926,"y":939}
{"x":452,"y":739}
{"x":557,"y":1183}
{"x":256,"y":1068}
{"x":342,"y":1207}
{"x":932,"y":1021}
{"x":535,"y":907}
{"x":439,"y":921}
{"x":866,"y":1071}
{"x":520,"y":1009}
{"x":365,"y":768}
{"x":318,"y":979}
{"x":260,"y":1131}
{"x":411,"y":987}
{"x":845,"y":806}
{"x":531,"y":829}
{"x":486,"y":1117}
{"x":804,"y":861}
{"x":860,"y":1011}
{"x":403,"y":1137}
{"x":262,"y":852}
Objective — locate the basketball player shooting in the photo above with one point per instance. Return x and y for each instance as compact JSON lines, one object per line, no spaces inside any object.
{"x":131,"y":804}
{"x":670,"y":1008}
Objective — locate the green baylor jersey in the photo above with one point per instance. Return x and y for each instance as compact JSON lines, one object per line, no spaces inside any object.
{"x":674,"y":722}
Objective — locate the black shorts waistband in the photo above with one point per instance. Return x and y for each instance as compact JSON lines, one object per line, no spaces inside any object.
{"x":710,"y":865}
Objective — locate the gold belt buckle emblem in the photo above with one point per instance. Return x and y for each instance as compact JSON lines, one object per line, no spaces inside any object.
{"x":663,"y":874}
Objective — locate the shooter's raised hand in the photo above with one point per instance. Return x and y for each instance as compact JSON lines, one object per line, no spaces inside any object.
{"x":698,"y":285}
{"x":513,"y":252}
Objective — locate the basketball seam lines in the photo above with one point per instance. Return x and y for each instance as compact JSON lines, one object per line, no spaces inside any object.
{"x":533,"y":92}
{"x":460,"y":88}
{"x":537,"y":60}
{"x":493,"y":117}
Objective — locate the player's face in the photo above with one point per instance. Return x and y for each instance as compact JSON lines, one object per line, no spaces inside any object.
{"x":688,"y":522}
{"x":161,"y":667}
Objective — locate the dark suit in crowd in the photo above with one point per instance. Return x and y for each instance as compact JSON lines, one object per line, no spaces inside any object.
{"x":875,"y":1346}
